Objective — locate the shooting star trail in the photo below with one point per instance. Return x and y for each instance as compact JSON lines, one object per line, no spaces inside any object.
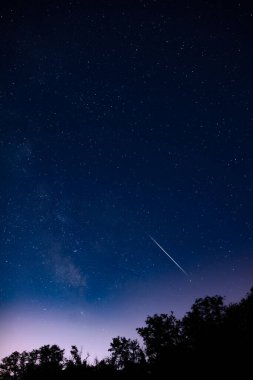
{"x":166,"y":253}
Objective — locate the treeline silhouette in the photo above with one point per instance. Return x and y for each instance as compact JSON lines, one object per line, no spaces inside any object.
{"x":210,"y":338}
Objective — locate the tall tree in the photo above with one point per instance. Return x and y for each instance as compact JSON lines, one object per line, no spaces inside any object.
{"x":9,"y":368}
{"x":202,"y":324}
{"x":125,"y":352}
{"x":162,"y":335}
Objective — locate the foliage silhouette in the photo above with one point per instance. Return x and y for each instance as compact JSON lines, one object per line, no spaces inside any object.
{"x":206,"y":341}
{"x":161,"y":334}
{"x":126,"y":354}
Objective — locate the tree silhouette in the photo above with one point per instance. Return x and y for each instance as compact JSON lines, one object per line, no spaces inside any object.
{"x":238,"y":330}
{"x":75,"y":367}
{"x":51,"y":356}
{"x":46,"y":361}
{"x":10,"y":366}
{"x":125,"y":353}
{"x":202,"y":324}
{"x":207,"y":334}
{"x":161,"y":335}
{"x":76,"y":356}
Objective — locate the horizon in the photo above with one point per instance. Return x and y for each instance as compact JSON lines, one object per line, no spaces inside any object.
{"x":85,"y":342}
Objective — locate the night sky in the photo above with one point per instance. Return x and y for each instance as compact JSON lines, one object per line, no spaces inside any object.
{"x":121,"y":120}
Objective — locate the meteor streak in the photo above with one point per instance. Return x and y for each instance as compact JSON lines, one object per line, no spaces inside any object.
{"x":166,"y":253}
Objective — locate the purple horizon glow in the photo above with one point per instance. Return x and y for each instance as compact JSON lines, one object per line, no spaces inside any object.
{"x":28,"y":326}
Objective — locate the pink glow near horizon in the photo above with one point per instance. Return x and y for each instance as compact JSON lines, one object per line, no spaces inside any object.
{"x":18,"y":334}
{"x":24,"y":327}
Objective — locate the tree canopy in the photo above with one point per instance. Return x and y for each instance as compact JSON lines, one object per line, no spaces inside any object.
{"x":210,"y":332}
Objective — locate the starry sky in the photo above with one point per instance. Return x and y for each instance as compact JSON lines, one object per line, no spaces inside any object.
{"x":120,"y":120}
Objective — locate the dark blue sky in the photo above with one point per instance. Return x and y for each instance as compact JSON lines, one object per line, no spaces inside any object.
{"x":121,"y":120}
